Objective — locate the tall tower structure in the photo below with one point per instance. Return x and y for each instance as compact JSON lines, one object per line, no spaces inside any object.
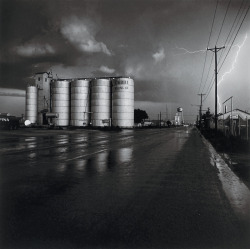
{"x":179,"y":119}
{"x":42,"y":81}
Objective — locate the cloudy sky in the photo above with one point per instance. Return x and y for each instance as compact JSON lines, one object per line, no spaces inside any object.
{"x":152,"y":41}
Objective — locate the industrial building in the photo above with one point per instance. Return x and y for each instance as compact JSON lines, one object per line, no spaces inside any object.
{"x":97,"y":102}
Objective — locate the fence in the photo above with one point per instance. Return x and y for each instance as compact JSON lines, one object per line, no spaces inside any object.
{"x":235,"y":127}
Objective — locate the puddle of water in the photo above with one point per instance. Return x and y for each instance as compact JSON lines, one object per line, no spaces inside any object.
{"x":236,"y":191}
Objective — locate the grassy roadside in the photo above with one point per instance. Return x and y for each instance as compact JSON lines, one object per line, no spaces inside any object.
{"x":237,"y":149}
{"x":226,"y":144}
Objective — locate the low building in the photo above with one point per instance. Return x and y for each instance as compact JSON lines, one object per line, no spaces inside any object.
{"x":9,"y":122}
{"x":235,"y":122}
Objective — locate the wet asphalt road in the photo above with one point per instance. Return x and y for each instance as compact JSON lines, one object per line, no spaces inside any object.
{"x":130,"y":189}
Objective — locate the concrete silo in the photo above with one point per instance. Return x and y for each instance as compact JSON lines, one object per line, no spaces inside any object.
{"x":123,"y":102}
{"x":60,"y":90}
{"x":31,"y":104}
{"x":100,"y":102}
{"x":80,"y":108}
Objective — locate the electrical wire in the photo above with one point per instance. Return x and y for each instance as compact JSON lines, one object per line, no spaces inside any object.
{"x":216,"y":44}
{"x":223,"y":22}
{"x":208,"y":73}
{"x":234,"y":38}
{"x":212,"y":83}
{"x":210,"y":88}
{"x":208,"y":43}
{"x":229,"y":34}
{"x":225,"y":15}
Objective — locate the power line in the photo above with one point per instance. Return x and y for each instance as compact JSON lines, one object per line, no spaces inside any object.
{"x":216,"y":44}
{"x":212,"y":80}
{"x":229,"y":34}
{"x":235,"y":37}
{"x":210,"y":88}
{"x":208,"y":73}
{"x":223,"y":21}
{"x":208,"y":42}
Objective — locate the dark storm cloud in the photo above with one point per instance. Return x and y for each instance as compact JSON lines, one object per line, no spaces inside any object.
{"x":32,"y":39}
{"x":21,"y":21}
{"x":139,"y":38}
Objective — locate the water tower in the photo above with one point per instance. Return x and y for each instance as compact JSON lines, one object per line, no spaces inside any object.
{"x":179,"y":119}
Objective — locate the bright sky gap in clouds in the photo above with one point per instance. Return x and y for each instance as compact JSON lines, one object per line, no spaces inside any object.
{"x":159,"y":43}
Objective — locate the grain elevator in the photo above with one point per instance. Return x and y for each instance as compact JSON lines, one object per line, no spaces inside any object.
{"x":81,"y":102}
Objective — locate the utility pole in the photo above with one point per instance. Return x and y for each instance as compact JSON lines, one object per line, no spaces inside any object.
{"x":166,"y":112}
{"x":201,"y":94}
{"x":215,"y":50}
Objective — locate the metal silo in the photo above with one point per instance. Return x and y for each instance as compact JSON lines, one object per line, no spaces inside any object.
{"x":31,"y":104}
{"x":80,"y":91}
{"x":100,"y":102}
{"x":123,"y":102}
{"x":60,"y":90}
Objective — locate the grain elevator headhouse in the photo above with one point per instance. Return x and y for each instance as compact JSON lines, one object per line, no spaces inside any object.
{"x":42,"y":81}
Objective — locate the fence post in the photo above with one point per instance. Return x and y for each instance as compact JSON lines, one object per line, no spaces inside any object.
{"x":224,"y":132}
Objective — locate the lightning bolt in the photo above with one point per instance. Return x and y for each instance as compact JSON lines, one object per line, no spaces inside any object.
{"x":232,"y":66}
{"x":190,"y":52}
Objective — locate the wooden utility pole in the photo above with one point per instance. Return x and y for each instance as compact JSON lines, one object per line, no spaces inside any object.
{"x":215,"y":50}
{"x":201,"y":94}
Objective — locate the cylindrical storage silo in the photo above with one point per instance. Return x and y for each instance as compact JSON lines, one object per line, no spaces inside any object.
{"x":31,"y":104}
{"x":100,"y":102}
{"x":60,"y":90}
{"x":123,"y":102}
{"x":80,"y":108}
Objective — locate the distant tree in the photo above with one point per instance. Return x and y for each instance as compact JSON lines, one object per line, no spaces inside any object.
{"x":139,"y":115}
{"x":206,"y":119}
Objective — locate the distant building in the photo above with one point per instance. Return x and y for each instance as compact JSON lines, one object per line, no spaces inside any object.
{"x":8,"y":121}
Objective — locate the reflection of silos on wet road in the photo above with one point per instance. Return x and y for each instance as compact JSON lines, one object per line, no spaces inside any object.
{"x":61,"y":101}
{"x":100,"y":162}
{"x":100,"y":102}
{"x":123,"y":102}
{"x":31,"y":104}
{"x":124,"y":155}
{"x":80,"y":102}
